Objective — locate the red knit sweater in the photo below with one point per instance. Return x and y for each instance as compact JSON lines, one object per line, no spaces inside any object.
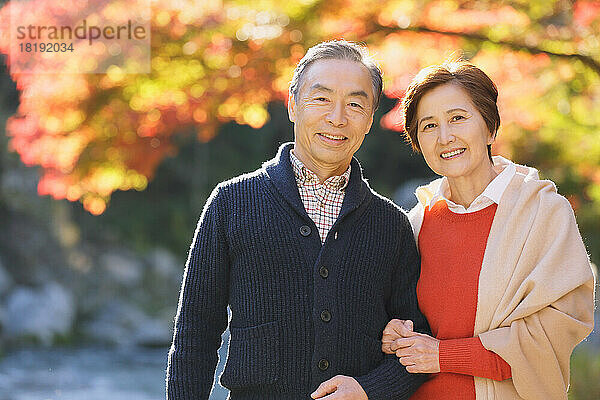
{"x":452,"y":248}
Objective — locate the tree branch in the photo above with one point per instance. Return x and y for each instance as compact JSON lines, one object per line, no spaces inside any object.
{"x":587,"y":60}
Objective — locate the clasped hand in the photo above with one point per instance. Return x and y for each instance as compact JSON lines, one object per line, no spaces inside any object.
{"x":418,"y":352}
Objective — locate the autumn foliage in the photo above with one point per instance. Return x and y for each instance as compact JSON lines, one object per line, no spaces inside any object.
{"x":93,"y":134}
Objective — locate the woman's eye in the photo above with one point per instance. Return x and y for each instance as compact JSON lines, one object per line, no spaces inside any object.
{"x":457,"y":117}
{"x":429,"y":126}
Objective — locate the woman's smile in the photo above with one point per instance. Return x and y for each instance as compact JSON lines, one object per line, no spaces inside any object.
{"x":448,"y":155}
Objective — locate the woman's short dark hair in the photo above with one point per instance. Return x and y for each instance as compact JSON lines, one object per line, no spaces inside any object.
{"x":479,"y":86}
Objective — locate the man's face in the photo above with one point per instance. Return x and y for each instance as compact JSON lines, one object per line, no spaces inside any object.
{"x":332,"y":114}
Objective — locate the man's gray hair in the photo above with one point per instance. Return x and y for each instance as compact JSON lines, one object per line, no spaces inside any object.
{"x":339,"y":50}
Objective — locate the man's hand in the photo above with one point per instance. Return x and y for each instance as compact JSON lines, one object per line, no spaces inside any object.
{"x":340,"y":387}
{"x":395,"y":329}
{"x":419,"y":353}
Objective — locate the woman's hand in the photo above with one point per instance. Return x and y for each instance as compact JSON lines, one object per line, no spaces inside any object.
{"x":395,"y":329}
{"x":419,"y":353}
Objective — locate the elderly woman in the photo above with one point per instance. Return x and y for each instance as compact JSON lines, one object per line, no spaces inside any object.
{"x":506,"y":282}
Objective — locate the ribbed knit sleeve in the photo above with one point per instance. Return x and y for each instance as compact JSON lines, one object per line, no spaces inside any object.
{"x":202,"y":310}
{"x":469,"y":357}
{"x":390,"y":380}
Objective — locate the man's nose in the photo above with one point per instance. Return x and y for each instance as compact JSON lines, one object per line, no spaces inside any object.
{"x":336,"y":116}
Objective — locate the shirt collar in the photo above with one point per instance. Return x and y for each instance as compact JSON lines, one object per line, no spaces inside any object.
{"x":305,"y":176}
{"x":493,"y":191}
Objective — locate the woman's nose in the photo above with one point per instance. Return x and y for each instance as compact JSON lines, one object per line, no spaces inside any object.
{"x":446,"y":135}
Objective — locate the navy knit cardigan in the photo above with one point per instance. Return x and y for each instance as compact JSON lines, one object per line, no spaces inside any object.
{"x":301,"y":312}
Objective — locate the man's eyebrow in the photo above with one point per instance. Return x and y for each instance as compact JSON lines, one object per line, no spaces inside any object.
{"x":318,"y":86}
{"x":361,"y":93}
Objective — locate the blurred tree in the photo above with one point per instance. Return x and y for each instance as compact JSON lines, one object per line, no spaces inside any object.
{"x":8,"y":102}
{"x":585,"y":369}
{"x":93,"y":134}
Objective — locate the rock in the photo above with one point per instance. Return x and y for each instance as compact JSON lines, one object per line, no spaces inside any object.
{"x":124,"y":269}
{"x":6,"y":280}
{"x":153,"y":332}
{"x":124,"y":324}
{"x":40,"y":313}
{"x":165,"y":264}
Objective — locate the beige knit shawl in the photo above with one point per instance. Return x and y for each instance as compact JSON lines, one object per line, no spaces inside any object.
{"x":536,"y":289}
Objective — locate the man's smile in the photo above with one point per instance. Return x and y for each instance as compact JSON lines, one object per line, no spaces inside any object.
{"x":329,"y":137}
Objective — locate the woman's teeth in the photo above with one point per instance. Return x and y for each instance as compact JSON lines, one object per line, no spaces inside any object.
{"x":452,"y":153}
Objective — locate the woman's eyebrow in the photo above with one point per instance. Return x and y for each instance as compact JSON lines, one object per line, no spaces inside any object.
{"x":423,"y":119}
{"x":456,"y":109}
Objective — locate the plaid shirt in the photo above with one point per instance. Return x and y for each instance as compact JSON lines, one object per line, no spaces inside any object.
{"x":322,"y":202}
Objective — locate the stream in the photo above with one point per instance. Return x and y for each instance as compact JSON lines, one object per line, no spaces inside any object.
{"x":88,"y":373}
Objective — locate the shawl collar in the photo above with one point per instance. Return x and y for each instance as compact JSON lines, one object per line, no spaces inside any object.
{"x":280,"y":172}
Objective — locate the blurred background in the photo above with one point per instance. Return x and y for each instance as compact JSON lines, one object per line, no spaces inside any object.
{"x":103,"y":176}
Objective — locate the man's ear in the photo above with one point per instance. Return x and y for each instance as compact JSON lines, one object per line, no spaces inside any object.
{"x":370,"y":124}
{"x":291,"y":106}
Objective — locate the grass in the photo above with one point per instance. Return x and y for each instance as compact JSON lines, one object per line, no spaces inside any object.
{"x":585,"y":373}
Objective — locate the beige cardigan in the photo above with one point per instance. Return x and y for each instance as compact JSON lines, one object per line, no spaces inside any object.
{"x":536,"y":289}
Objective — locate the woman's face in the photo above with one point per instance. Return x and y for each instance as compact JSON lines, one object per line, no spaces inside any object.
{"x":452,"y":133}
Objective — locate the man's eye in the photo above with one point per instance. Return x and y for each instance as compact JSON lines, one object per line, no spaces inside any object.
{"x":355,"y":105}
{"x":321,"y":99}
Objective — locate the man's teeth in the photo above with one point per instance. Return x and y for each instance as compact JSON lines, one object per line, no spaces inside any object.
{"x":452,"y":153}
{"x":333,"y":137}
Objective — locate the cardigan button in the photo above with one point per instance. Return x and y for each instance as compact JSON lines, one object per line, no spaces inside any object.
{"x":305,"y":230}
{"x":324,"y":272}
{"x":323,"y":364}
{"x":325,"y":316}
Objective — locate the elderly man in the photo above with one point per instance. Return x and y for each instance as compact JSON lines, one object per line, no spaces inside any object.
{"x":311,"y":261}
